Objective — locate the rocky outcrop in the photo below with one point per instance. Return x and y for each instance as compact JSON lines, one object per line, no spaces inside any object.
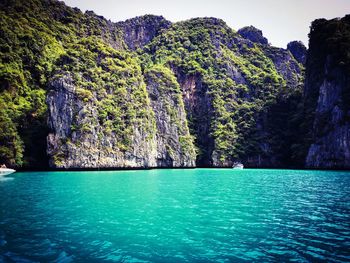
{"x":331,"y":126}
{"x":175,"y":146}
{"x":139,"y":31}
{"x":298,"y":50}
{"x":221,"y":107}
{"x":198,"y":105}
{"x":253,"y":34}
{"x":286,"y":65}
{"x":327,"y":94}
{"x":77,"y":140}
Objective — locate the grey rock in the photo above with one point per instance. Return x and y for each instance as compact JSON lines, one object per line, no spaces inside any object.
{"x":298,"y":50}
{"x":91,"y":147}
{"x":139,"y":31}
{"x":174,"y":143}
{"x":253,"y":34}
{"x":327,"y":94}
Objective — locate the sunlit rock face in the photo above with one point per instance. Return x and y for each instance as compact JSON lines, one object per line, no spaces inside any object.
{"x":78,"y":140}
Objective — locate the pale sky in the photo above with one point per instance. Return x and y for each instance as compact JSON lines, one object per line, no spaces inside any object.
{"x":280,"y":20}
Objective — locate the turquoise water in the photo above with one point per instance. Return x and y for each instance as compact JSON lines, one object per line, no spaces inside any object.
{"x":198,"y":215}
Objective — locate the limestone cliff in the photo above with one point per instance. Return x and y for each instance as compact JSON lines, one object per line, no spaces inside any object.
{"x":253,"y":34}
{"x":175,"y":146}
{"x":116,"y":121}
{"x":80,"y":139}
{"x":298,"y":50}
{"x":327,"y":94}
{"x":228,"y":84}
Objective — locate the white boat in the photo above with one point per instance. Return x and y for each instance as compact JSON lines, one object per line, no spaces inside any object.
{"x":238,"y":166}
{"x":6,"y":171}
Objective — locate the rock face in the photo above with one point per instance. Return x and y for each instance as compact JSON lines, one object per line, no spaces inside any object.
{"x":253,"y":34}
{"x":298,"y":50}
{"x":139,"y":31}
{"x":174,"y":143}
{"x":120,"y":117}
{"x":199,"y":110}
{"x":90,"y":128}
{"x":77,"y":141}
{"x":286,"y":64}
{"x":327,"y":92}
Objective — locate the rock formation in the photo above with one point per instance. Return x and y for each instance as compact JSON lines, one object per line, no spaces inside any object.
{"x":253,"y":34}
{"x":139,"y":31}
{"x":327,"y":94}
{"x":298,"y":50}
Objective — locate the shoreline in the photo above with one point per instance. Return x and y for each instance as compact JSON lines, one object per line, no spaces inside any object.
{"x":47,"y":169}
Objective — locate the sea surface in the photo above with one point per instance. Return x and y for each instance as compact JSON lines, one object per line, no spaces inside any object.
{"x":168,"y":215}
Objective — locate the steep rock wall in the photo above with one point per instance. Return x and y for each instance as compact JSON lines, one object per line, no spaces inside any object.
{"x":78,"y":140}
{"x":175,"y":146}
{"x":199,"y":110}
{"x":327,"y":94}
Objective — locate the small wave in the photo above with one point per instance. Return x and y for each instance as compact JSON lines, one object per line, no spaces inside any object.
{"x":13,"y":257}
{"x":63,"y":257}
{"x":2,"y":179}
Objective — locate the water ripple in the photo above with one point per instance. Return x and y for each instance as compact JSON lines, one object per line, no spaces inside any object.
{"x":201,"y":215}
